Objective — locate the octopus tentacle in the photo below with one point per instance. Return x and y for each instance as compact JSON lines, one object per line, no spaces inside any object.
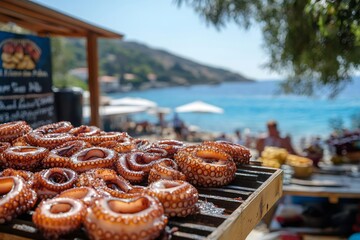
{"x":3,"y":147}
{"x":170,"y":146}
{"x":107,"y":181}
{"x":95,"y":157}
{"x":50,"y":182}
{"x":26,"y":175}
{"x":12,"y":130}
{"x":24,"y":157}
{"x":206,"y":166}
{"x":59,"y":127}
{"x":48,"y":140}
{"x":165,"y":168}
{"x":20,"y":141}
{"x":137,"y":218}
{"x":16,"y":197}
{"x":122,"y":166}
{"x":141,"y":144}
{"x":120,"y":147}
{"x":60,"y":156}
{"x":85,"y":131}
{"x":240,"y":154}
{"x":59,"y":216}
{"x":177,"y":197}
{"x":85,"y":194}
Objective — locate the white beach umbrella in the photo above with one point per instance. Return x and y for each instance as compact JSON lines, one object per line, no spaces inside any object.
{"x":133,"y":101}
{"x":115,"y":110}
{"x":199,"y":107}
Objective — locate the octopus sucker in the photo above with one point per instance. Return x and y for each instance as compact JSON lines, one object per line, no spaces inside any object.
{"x":240,"y":154}
{"x":202,"y":163}
{"x":173,"y":194}
{"x":24,"y":157}
{"x":59,"y":216}
{"x":16,"y":197}
{"x":141,"y":217}
{"x":94,"y":157}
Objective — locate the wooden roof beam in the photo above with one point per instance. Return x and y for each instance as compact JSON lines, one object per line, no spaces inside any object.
{"x":25,"y":4}
{"x":40,"y":17}
{"x":17,"y":18}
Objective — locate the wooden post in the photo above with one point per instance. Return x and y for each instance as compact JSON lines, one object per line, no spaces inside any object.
{"x":93,"y":71}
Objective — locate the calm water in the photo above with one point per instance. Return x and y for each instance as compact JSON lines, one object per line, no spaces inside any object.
{"x":251,"y":105}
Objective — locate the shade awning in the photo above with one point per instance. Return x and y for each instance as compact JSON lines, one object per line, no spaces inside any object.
{"x":46,"y":21}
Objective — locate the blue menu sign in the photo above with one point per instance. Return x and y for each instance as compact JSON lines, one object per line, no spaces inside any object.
{"x":25,"y":79}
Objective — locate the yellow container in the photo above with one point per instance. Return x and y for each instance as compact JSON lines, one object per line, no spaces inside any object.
{"x":303,"y":167}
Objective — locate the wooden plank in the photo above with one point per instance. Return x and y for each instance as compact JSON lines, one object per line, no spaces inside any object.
{"x":239,"y":224}
{"x":94,"y":87}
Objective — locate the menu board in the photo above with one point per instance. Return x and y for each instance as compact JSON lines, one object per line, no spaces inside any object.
{"x":25,"y":79}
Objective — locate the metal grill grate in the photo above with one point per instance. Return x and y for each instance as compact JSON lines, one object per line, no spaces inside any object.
{"x":240,"y":205}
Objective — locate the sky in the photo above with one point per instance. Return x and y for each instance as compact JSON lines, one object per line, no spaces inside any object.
{"x":161,"y":24}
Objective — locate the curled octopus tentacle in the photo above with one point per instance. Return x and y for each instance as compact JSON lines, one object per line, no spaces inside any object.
{"x":16,"y":197}
{"x":24,"y":157}
{"x":206,"y":166}
{"x":59,"y":127}
{"x":120,"y":147}
{"x":170,"y":146}
{"x":60,"y":156}
{"x":85,"y":194}
{"x":20,"y":141}
{"x":48,"y":140}
{"x":165,"y":168}
{"x":108,"y":182}
{"x":114,"y":218}
{"x":12,"y":130}
{"x":94,"y":157}
{"x":85,"y":131}
{"x":240,"y":154}
{"x":135,"y":166}
{"x":26,"y":175}
{"x":3,"y":147}
{"x":50,"y":182}
{"x":177,"y":197}
{"x":141,"y":144}
{"x":59,"y":216}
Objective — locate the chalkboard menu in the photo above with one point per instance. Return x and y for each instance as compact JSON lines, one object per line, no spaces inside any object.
{"x":25,"y":79}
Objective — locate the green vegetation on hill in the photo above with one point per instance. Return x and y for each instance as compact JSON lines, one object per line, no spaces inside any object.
{"x":135,"y":64}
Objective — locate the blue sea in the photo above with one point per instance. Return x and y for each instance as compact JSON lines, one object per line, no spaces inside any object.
{"x":250,"y":105}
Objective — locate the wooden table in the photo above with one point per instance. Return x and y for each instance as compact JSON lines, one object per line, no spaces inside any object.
{"x":331,"y":186}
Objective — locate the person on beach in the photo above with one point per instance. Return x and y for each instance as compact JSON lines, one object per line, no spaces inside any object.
{"x":273,"y":138}
{"x":238,"y":138}
{"x":178,"y":125}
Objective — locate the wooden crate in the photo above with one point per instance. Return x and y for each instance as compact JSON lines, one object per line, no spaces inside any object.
{"x":244,"y":202}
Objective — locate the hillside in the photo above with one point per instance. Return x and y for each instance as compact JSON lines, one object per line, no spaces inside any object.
{"x":143,"y":67}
